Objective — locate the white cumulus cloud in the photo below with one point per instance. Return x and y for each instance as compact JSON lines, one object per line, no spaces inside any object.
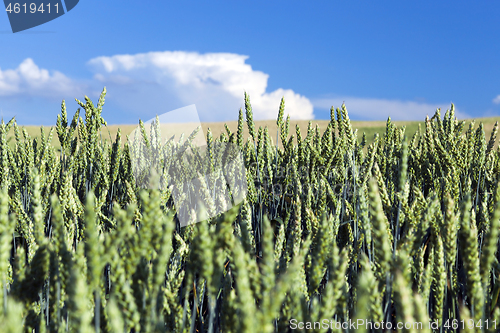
{"x":156,"y":82}
{"x":496,"y":100}
{"x":380,"y":109}
{"x":30,"y":80}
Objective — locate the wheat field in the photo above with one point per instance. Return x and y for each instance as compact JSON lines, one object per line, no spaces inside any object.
{"x":370,"y":128}
{"x":332,"y":229}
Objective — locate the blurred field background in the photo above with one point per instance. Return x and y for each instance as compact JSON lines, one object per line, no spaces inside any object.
{"x":367,"y":127}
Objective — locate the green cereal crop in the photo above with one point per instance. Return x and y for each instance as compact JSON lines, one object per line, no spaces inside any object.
{"x":335,"y":226}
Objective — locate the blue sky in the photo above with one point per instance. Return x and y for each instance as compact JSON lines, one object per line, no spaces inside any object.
{"x":383,"y":58}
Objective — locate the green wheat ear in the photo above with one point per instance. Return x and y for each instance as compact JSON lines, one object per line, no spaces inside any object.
{"x":438,"y":279}
{"x":249,"y":116}
{"x":380,"y":233}
{"x":403,"y":300}
{"x":490,"y":242}
{"x":6,"y":229}
{"x":468,"y":242}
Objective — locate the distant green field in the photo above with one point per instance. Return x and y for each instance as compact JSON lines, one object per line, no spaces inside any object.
{"x":367,"y":127}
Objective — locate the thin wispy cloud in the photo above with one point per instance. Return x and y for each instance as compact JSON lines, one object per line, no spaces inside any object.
{"x":380,"y":109}
{"x":496,"y":100}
